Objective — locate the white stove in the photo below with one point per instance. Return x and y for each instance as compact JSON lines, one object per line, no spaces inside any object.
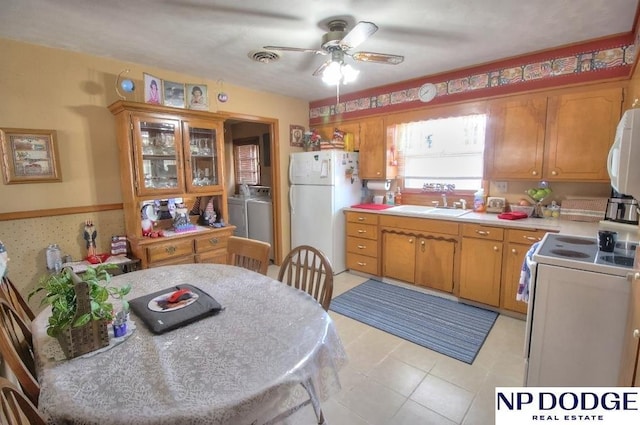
{"x":582,"y":253}
{"x":578,"y":304}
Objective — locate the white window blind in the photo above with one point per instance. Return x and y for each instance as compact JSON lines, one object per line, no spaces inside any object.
{"x":446,"y":151}
{"x":246,"y":158}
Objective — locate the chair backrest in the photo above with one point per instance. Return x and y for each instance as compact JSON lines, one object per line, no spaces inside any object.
{"x":15,"y":408}
{"x":248,"y":253}
{"x":9,"y":292}
{"x":16,"y":347}
{"x":309,"y":270}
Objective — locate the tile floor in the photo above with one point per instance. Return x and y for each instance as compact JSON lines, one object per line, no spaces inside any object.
{"x":390,"y":381}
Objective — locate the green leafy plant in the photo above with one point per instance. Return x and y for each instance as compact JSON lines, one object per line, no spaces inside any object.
{"x":60,"y":294}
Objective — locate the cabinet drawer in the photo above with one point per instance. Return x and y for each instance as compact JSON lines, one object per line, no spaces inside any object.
{"x":211,"y":242}
{"x":482,"y":232}
{"x":169,"y":250}
{"x":362,"y":263}
{"x":189,"y":259}
{"x":215,"y":257}
{"x":525,"y":236}
{"x":423,"y":225}
{"x":362,"y":246}
{"x":367,"y":231}
{"x":356,"y":217}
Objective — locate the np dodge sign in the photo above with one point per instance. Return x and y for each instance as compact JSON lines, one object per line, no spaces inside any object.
{"x":567,"y":405}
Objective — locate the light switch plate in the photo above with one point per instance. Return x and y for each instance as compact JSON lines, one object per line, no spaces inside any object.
{"x":501,"y":187}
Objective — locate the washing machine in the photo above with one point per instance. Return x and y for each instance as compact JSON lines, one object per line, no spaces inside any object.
{"x":260,"y":221}
{"x":238,"y":215}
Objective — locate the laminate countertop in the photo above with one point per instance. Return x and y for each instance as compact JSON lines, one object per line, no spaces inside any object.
{"x":626,"y":232}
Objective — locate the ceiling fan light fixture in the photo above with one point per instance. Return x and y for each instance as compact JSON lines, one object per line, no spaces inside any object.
{"x":349,"y":74}
{"x":332,"y":74}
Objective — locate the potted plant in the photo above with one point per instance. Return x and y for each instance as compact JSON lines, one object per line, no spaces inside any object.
{"x":81,"y":307}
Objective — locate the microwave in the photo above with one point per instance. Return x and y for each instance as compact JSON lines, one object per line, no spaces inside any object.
{"x":623,"y":163}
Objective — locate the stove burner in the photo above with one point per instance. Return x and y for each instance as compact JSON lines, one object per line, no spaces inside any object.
{"x":618,"y":260}
{"x":568,"y":253}
{"x":575,"y":241}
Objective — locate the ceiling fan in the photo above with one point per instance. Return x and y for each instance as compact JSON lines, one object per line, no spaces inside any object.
{"x":338,"y":42}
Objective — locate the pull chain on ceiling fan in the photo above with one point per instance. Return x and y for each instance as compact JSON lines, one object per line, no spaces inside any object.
{"x":339,"y":43}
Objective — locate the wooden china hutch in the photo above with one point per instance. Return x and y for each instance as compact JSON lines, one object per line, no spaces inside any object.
{"x":171,"y":156}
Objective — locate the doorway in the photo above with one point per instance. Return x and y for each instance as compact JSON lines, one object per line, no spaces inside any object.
{"x":266,"y":131}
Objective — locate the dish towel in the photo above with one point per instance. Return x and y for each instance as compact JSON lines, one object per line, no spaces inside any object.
{"x":525,"y":275}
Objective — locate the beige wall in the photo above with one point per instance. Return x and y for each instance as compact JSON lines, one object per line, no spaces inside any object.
{"x":45,"y":88}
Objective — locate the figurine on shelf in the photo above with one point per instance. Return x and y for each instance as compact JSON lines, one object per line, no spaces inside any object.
{"x":90,"y":234}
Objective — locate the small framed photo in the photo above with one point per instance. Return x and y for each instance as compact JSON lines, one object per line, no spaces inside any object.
{"x":296,"y":134}
{"x":152,"y":89}
{"x":197,"y":97}
{"x":29,"y":156}
{"x":173,"y":94}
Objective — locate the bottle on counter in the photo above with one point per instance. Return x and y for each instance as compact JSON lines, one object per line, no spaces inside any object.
{"x":398,"y":198}
{"x":478,"y":201}
{"x":54,"y":257}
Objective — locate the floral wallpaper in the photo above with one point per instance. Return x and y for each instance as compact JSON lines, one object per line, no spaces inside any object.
{"x":585,"y":62}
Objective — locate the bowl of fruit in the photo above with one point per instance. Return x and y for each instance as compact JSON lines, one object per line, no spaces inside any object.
{"x":539,"y":194}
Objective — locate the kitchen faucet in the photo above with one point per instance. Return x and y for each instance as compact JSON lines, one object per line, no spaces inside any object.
{"x":444,"y":200}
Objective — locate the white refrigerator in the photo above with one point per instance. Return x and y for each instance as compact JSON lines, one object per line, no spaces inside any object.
{"x":322,"y":184}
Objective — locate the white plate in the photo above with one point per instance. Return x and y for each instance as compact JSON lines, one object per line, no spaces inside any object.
{"x":149,"y":211}
{"x":155,"y":304}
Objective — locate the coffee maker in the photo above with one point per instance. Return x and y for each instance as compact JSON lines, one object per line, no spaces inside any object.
{"x":622,"y":208}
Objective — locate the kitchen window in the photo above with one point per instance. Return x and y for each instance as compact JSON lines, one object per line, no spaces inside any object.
{"x":440,"y":152}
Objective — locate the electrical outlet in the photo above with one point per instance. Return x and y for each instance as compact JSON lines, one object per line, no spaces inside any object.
{"x":501,"y":187}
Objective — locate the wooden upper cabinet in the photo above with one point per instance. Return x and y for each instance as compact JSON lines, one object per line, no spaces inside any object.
{"x":515,"y":138}
{"x":377,"y":151}
{"x":580,"y":131}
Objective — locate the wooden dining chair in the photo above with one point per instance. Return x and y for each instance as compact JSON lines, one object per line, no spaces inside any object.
{"x":248,"y":253}
{"x":15,"y":408}
{"x":9,"y":292}
{"x":16,"y":348}
{"x":308,"y":269}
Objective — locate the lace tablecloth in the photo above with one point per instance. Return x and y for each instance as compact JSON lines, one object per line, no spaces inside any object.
{"x":242,"y":366}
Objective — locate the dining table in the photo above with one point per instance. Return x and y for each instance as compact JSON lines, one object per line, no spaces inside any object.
{"x":269,"y":349}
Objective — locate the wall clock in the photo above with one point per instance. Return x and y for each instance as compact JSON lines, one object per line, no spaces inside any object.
{"x":427,"y":92}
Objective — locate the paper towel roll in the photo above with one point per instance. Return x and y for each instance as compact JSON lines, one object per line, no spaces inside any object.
{"x":379,"y":184}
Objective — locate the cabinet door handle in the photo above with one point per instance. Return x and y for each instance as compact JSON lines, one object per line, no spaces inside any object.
{"x":410,"y":240}
{"x":360,"y":218}
{"x":362,"y":246}
{"x":514,"y":251}
{"x":360,"y":263}
{"x":495,"y":248}
{"x":532,"y":238}
{"x":636,"y":333}
{"x":213,"y":241}
{"x":534,"y":172}
{"x":362,"y":231}
{"x":423,"y":245}
{"x":482,"y":232}
{"x":170,"y":249}
{"x":554,"y":173}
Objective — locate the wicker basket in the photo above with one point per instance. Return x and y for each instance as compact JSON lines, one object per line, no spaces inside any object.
{"x":76,"y":341}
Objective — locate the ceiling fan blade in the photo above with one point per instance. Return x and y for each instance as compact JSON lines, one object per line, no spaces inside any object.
{"x":358,"y":34}
{"x":295,"y":49}
{"x":378,"y":58}
{"x":318,"y":72}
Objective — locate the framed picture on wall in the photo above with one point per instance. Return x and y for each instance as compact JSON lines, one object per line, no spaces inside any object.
{"x":29,"y":156}
{"x":152,"y":89}
{"x":197,"y":97}
{"x":173,"y":94}
{"x":296,"y":132}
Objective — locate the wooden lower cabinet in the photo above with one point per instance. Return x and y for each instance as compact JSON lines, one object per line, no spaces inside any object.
{"x":362,"y":242}
{"x":518,"y":242}
{"x":419,"y":251}
{"x":399,"y":256}
{"x":435,"y":262}
{"x":206,"y":247}
{"x":481,"y":263}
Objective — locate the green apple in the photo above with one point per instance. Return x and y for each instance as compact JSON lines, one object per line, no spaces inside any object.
{"x":541,"y":193}
{"x":531,"y":192}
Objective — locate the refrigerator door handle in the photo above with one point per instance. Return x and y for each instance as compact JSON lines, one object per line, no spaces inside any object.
{"x":291,"y":200}
{"x":291,"y":170}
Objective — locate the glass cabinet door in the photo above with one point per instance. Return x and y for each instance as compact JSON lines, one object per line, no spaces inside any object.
{"x":202,"y":169}
{"x":157,"y":145}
